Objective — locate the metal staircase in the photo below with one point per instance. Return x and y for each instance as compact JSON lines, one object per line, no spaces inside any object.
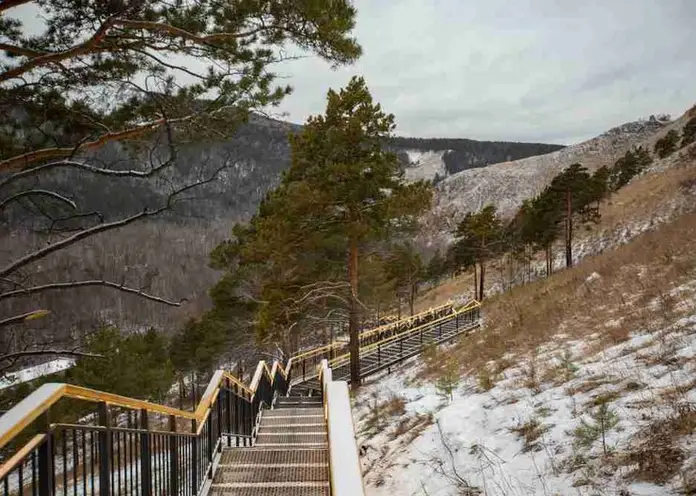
{"x":288,"y":432}
{"x":290,"y":457}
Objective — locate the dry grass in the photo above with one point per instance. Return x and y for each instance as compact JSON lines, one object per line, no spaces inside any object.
{"x":657,"y":457}
{"x":530,"y":432}
{"x":635,"y":283}
{"x":412,"y":426}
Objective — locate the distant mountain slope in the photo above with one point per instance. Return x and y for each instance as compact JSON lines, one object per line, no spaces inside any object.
{"x":507,"y":184}
{"x":436,"y":158}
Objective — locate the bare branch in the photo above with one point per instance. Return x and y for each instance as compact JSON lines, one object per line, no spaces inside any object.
{"x":82,"y":166}
{"x":21,"y":354}
{"x":39,"y":192}
{"x":20,"y":161}
{"x":58,"y":245}
{"x":36,"y":255}
{"x":79,"y":284}
{"x":16,"y":319}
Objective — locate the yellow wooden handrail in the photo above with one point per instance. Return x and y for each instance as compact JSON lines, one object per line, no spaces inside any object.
{"x":339,"y":360}
{"x":37,"y":403}
{"x":365,"y":334}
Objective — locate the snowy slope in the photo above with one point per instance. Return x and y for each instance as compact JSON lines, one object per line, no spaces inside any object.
{"x":507,"y":184}
{"x":478,"y":438}
{"x":425,"y":164}
{"x":36,"y":371}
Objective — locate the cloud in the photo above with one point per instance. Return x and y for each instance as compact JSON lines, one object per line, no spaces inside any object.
{"x":525,"y":70}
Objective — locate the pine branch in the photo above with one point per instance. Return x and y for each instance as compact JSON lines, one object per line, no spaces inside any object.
{"x":79,"y":284}
{"x":88,"y":46}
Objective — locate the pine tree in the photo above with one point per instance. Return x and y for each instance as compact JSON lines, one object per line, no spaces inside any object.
{"x":575,"y":194}
{"x":146,"y":77}
{"x":480,"y":236}
{"x":351,"y":187}
{"x":342,"y":191}
{"x":405,"y":267}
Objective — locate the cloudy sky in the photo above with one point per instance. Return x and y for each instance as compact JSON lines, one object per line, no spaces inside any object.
{"x":556,"y":71}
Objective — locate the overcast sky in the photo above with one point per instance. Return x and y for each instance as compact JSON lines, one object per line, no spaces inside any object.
{"x":555,"y":71}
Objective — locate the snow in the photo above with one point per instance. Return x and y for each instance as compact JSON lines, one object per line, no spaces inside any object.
{"x":425,"y":164}
{"x":36,"y":371}
{"x":478,"y":427}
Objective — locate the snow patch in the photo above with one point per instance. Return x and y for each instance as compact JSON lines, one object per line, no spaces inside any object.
{"x":425,"y":164}
{"x":36,"y":371}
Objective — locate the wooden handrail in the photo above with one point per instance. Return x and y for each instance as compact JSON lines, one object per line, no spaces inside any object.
{"x":336,"y":344}
{"x":466,"y":308}
{"x":37,"y":403}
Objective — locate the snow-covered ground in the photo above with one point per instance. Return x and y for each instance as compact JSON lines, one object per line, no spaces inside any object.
{"x":36,"y":371}
{"x":537,"y":430}
{"x":425,"y":164}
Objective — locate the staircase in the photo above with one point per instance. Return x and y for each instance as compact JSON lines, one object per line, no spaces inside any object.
{"x":290,"y":456}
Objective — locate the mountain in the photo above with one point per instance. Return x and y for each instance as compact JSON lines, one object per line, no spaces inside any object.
{"x":507,"y":184}
{"x":169,"y":256}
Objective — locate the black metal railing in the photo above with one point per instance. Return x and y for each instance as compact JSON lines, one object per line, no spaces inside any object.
{"x":119,"y":449}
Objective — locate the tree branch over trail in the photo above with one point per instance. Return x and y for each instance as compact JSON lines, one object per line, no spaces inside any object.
{"x":80,"y":284}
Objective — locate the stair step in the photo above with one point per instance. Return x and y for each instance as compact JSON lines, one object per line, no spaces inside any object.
{"x":294,"y":412}
{"x":270,"y":473}
{"x":280,"y":438}
{"x":247,"y":456}
{"x":286,"y":489}
{"x":292,"y":428}
{"x":267,"y":421}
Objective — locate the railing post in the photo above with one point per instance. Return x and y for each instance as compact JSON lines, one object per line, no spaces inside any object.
{"x":456,"y":321}
{"x":194,"y":457}
{"x":145,"y":467}
{"x":46,"y":459}
{"x":173,"y":457}
{"x":379,"y":354}
{"x":401,"y":347}
{"x":304,"y":371}
{"x":439,"y":330}
{"x":237,"y":425}
{"x":228,"y":404}
{"x":219,"y":416}
{"x":104,"y":450}
{"x":211,"y":450}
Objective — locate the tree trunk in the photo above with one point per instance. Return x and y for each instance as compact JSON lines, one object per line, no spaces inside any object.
{"x":354,"y":316}
{"x":412,"y":298}
{"x":569,"y":230}
{"x":476,"y":296}
{"x":481,"y":280}
{"x":549,"y":260}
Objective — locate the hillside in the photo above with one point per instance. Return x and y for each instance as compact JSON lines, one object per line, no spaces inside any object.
{"x":582,"y":383}
{"x":169,"y":256}
{"x":507,"y":184}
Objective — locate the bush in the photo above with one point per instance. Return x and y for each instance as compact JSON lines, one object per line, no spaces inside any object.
{"x":689,"y":132}
{"x":666,"y":145}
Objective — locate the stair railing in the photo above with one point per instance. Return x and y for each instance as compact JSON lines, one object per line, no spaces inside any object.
{"x":126,"y":446}
{"x":307,"y":362}
{"x":465,"y":318}
{"x":344,"y":464}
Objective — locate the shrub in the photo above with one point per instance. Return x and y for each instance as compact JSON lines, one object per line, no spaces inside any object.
{"x":666,"y":145}
{"x":689,"y":132}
